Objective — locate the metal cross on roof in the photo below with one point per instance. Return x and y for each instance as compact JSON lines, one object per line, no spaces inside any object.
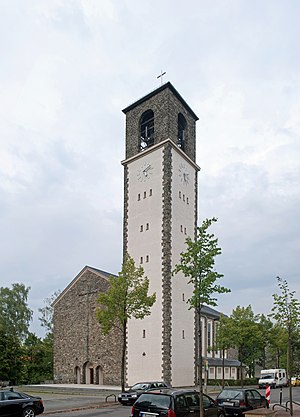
{"x":161,"y":76}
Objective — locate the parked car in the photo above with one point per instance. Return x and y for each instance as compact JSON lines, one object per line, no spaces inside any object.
{"x":174,"y":403}
{"x":295,"y":381}
{"x":130,"y":396}
{"x":237,"y":400}
{"x":18,"y":404}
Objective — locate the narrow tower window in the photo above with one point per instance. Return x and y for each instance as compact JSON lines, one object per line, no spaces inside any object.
{"x":181,"y":131}
{"x":147,"y":130}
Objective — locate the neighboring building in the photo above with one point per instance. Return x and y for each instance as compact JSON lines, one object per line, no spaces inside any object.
{"x":82,"y":354}
{"x":160,"y":211}
{"x":213,"y":358}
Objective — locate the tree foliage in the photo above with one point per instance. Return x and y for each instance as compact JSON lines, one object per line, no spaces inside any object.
{"x":126,"y":298}
{"x":46,"y":313}
{"x":286,"y":312}
{"x":15,"y":315}
{"x":197,"y":264}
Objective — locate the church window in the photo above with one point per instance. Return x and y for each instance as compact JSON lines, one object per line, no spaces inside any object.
{"x":181,"y":131}
{"x":145,"y":194}
{"x":144,"y":333}
{"x":147,"y":226}
{"x":150,"y":192}
{"x":147,"y":130}
{"x":139,"y":197}
{"x":141,"y":228}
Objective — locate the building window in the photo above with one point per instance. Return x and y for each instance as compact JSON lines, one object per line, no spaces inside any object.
{"x":183,"y":337}
{"x":208,"y":335}
{"x":183,"y":299}
{"x":141,"y":260}
{"x":185,"y":230}
{"x":187,"y":200}
{"x":141,"y":229}
{"x":147,"y":226}
{"x":150,"y":192}
{"x":145,"y":194}
{"x":144,"y":334}
{"x":181,"y":131}
{"x":226,"y":371}
{"x":139,"y":197}
{"x":147,"y":130}
{"x":181,"y":228}
{"x":147,"y":258}
{"x":183,"y":197}
{"x":179,"y":194}
{"x":219,"y":371}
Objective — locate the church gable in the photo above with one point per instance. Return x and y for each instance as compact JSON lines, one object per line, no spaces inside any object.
{"x":81,"y":353}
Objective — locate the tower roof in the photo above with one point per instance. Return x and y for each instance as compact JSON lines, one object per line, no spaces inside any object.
{"x":158,"y":90}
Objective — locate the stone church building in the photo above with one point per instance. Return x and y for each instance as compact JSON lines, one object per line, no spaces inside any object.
{"x":82,"y":354}
{"x":160,"y":211}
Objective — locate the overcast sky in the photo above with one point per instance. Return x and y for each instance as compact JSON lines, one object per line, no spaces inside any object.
{"x":68,"y":68}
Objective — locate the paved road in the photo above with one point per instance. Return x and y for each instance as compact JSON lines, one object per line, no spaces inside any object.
{"x":91,"y":403}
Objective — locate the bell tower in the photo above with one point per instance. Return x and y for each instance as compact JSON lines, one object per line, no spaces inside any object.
{"x":160,"y":211}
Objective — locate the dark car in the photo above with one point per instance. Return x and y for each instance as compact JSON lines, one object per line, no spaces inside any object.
{"x":18,"y":404}
{"x":174,"y":403}
{"x":237,"y":400}
{"x":130,"y":396}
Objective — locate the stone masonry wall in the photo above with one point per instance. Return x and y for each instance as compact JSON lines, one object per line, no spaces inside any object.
{"x":166,"y":107}
{"x":77,"y":337}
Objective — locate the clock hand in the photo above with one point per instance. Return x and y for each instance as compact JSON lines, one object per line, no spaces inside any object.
{"x":145,"y":171}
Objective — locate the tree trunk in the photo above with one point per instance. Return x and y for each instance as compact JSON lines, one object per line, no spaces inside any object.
{"x":289,"y":351}
{"x":123,"y":356}
{"x":200,"y":364}
{"x":223,"y":368}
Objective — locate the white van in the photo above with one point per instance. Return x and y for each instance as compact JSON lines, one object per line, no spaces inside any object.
{"x":273,"y":377}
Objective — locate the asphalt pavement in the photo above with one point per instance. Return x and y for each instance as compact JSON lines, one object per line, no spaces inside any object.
{"x":71,"y":397}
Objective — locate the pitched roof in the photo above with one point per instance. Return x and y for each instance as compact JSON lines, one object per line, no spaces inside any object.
{"x":158,"y":90}
{"x":99,"y":272}
{"x":210,"y":312}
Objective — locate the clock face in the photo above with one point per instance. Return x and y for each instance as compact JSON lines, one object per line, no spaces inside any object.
{"x":184,"y":175}
{"x":145,"y":172}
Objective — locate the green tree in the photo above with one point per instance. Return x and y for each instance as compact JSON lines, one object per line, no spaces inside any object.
{"x":37,"y":358}
{"x":126,"y":298}
{"x":286,"y":311}
{"x":223,"y":342}
{"x":15,"y":315}
{"x":246,"y":337}
{"x":46,"y":313}
{"x":197,"y":264}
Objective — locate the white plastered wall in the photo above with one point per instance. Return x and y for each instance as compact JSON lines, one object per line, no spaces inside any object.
{"x":183,"y":223}
{"x":145,"y":353}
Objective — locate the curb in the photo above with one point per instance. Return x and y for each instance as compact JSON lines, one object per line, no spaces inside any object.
{"x":67,"y":410}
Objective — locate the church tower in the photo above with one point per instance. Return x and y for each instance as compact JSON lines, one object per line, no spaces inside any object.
{"x":160,"y":211}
